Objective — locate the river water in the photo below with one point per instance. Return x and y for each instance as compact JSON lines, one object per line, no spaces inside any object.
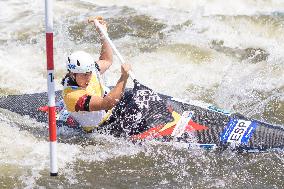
{"x":229,"y":53}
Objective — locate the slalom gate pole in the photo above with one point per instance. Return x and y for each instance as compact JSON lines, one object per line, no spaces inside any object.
{"x":51,"y":88}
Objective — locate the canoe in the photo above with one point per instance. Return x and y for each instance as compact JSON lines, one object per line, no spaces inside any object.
{"x":167,"y":119}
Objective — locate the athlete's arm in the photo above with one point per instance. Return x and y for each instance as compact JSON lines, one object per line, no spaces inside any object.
{"x":113,"y":97}
{"x":105,"y":60}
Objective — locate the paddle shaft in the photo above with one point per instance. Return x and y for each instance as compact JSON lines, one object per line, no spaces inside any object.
{"x":121,"y":59}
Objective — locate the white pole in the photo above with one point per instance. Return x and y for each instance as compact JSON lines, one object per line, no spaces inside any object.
{"x":50,"y":86}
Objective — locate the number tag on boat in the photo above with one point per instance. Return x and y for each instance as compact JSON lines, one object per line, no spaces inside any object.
{"x":238,"y":131}
{"x":182,"y":123}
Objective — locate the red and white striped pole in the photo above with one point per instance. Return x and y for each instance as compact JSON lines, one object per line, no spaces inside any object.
{"x":50,"y":85}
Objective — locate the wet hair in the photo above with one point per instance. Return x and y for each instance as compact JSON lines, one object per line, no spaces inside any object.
{"x":68,"y":80}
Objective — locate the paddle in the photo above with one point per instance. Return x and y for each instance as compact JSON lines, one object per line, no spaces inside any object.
{"x":137,"y":111}
{"x":105,"y":34}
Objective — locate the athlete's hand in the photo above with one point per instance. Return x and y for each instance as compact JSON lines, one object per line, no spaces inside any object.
{"x":101,"y":21}
{"x":125,"y":68}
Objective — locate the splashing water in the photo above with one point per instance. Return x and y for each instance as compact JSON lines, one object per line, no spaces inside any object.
{"x":228,"y":54}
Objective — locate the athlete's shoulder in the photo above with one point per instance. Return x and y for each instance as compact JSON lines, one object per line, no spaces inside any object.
{"x":70,"y":89}
{"x":71,"y":96}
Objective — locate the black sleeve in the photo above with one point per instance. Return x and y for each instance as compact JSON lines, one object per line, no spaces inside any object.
{"x":87,"y":103}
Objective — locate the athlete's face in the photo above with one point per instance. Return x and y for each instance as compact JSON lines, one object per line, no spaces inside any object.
{"x":83,"y":79}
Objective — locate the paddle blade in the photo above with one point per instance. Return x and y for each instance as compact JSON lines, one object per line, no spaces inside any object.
{"x":152,"y":106}
{"x":137,"y":111}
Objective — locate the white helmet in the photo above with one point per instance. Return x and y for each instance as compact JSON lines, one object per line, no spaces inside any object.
{"x":80,"y":62}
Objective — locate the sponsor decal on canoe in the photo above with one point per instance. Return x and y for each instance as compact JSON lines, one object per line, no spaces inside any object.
{"x":219,"y":110}
{"x":203,"y":105}
{"x":159,"y":131}
{"x":143,"y":97}
{"x":202,"y":146}
{"x":238,"y":131}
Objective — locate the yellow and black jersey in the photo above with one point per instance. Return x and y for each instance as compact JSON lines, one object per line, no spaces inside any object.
{"x":78,"y":99}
